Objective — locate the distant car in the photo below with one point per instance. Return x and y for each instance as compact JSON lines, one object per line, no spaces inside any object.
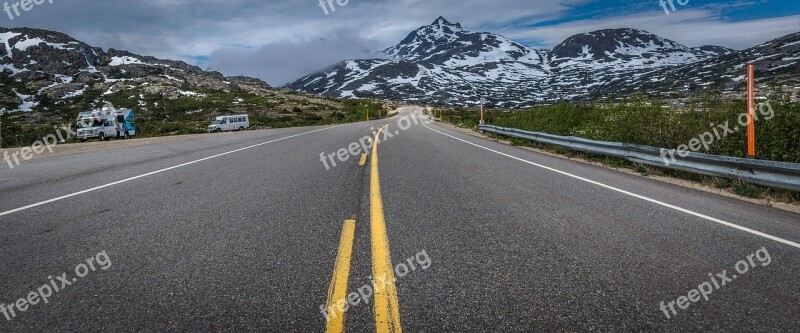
{"x":230,"y":123}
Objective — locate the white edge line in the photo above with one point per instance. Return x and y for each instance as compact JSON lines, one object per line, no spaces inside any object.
{"x":684,"y":210}
{"x":153,"y":173}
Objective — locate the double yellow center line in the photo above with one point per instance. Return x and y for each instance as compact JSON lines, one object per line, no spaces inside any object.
{"x":386,"y":306}
{"x":337,"y":292}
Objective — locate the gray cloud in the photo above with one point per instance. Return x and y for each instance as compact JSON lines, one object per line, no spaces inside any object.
{"x":693,"y":27}
{"x":274,"y":40}
{"x":284,"y":62}
{"x":279,"y":40}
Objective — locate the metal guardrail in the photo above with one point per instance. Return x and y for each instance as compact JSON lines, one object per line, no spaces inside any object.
{"x":782,"y":175}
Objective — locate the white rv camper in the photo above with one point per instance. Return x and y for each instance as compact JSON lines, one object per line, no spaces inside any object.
{"x":106,"y":123}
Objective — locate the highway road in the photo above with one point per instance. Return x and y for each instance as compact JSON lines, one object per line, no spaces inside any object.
{"x":434,"y":231}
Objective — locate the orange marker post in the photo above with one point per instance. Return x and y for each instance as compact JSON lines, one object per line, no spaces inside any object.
{"x":751,"y":111}
{"x":483,"y":122}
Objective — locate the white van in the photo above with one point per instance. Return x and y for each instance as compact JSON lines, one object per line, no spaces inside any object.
{"x":230,"y":123}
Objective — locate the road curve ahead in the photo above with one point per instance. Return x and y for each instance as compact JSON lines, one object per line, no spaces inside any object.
{"x":429,"y":230}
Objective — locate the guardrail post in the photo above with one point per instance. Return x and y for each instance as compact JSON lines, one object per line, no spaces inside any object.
{"x":751,"y":111}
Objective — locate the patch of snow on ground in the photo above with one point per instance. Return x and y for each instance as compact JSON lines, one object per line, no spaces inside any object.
{"x":14,"y":70}
{"x":75,"y":93}
{"x":5,"y":37}
{"x":126,"y":60}
{"x":27,"y":105}
{"x":191,"y":93}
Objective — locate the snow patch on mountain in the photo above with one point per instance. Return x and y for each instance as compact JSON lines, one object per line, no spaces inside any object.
{"x":126,"y":60}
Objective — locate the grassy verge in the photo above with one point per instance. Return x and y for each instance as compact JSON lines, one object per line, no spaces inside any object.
{"x":653,"y":124}
{"x":157,"y":115}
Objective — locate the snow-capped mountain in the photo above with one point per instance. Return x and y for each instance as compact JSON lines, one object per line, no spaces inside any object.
{"x":445,"y":64}
{"x":40,"y":64}
{"x":623,"y":49}
{"x":439,"y":62}
{"x":434,"y":42}
{"x":777,"y":64}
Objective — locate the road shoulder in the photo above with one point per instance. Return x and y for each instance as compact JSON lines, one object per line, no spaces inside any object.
{"x":790,"y":207}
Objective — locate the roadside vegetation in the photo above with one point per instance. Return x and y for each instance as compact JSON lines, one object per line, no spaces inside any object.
{"x":651,"y":123}
{"x":158,"y":115}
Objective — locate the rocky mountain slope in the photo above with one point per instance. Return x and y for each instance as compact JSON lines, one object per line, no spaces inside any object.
{"x":44,"y":70}
{"x":47,"y":78}
{"x":443,"y":63}
{"x":54,"y":66}
{"x":777,"y":65}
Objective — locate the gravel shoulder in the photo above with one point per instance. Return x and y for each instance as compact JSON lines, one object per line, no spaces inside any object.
{"x":77,"y":148}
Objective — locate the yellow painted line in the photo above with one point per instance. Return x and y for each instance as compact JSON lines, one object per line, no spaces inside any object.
{"x":363,"y":160}
{"x":337,"y":292}
{"x":387,"y":308}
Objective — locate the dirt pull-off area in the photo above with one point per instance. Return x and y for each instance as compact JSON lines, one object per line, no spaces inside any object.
{"x":75,"y":148}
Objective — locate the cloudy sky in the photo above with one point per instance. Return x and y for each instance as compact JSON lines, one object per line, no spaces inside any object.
{"x":281,"y":40}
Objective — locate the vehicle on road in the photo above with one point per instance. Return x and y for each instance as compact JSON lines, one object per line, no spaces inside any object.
{"x":106,"y":123}
{"x":230,"y":123}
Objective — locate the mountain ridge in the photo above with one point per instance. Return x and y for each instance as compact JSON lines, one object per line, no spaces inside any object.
{"x":442,"y":63}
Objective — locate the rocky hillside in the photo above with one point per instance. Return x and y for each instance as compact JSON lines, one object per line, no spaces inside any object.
{"x":777,"y":65}
{"x":54,"y":66}
{"x":443,"y":63}
{"x":47,"y":78}
{"x":40,"y":67}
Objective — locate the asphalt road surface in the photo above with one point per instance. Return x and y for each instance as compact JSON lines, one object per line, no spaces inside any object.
{"x":438,"y":232}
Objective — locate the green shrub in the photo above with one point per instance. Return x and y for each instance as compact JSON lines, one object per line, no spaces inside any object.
{"x":654,"y":124}
{"x":747,"y":190}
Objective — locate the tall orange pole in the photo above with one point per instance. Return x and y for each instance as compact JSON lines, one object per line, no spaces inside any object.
{"x":482,"y":119}
{"x":751,"y":111}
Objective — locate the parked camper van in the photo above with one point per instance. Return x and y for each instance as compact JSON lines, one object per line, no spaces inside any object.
{"x":106,"y":123}
{"x":230,"y":123}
